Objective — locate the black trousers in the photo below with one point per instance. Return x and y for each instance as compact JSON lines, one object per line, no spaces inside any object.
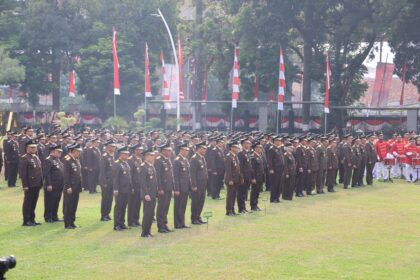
{"x":311,"y":181}
{"x":148,"y":214}
{"x":341,"y":171}
{"x":70,"y":203}
{"x":231,"y":197}
{"x":180,"y":205}
{"x":255,"y":194}
{"x":288,"y":187}
{"x":51,"y":203}
{"x":369,"y":173}
{"x":267,"y":180}
{"x":320,"y":180}
{"x":164,"y":201}
{"x":275,"y":186}
{"x":92,"y":180}
{"x":361,"y":174}
{"x":197,"y":203}
{"x":30,"y":200}
{"x":134,"y":204}
{"x":214,"y":185}
{"x":300,"y":182}
{"x":355,"y":177}
{"x":6,"y":170}
{"x":106,"y":201}
{"x":242,"y":195}
{"x":121,"y":201}
{"x":331,"y":175}
{"x":348,"y":171}
{"x":12,"y":173}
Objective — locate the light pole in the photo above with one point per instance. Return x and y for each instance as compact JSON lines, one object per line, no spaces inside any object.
{"x":178,"y":103}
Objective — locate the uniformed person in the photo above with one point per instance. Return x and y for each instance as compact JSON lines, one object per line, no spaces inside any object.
{"x":72,"y":185}
{"x":12,"y":160}
{"x":149,"y":189}
{"x":233,"y":177}
{"x":199,"y":180}
{"x":215,"y":163}
{"x":321,"y":154}
{"x":122,"y":186}
{"x":313,"y":167}
{"x":332,"y":165}
{"x":165,"y":179}
{"x":347,"y":160}
{"x":301,"y":166}
{"x":289,"y":172}
{"x":134,"y":199}
{"x":275,"y":168}
{"x":182,"y":185}
{"x":357,"y":162}
{"x":363,"y":155}
{"x":258,"y":174}
{"x":30,"y":171}
{"x":105,"y":180}
{"x":246,"y":171}
{"x":53,"y":172}
{"x":91,"y":162}
{"x":371,"y":159}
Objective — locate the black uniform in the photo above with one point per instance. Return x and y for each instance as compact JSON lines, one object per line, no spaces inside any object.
{"x":73,"y":180}
{"x":11,"y":154}
{"x":53,"y":171}
{"x":199,"y":178}
{"x":246,"y":171}
{"x":105,"y":180}
{"x":258,"y":174}
{"x":121,"y":173}
{"x":134,"y":199}
{"x":165,"y":178}
{"x":182,"y":184}
{"x":149,"y":187}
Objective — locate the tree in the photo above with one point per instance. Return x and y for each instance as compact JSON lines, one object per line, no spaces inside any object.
{"x":11,"y":72}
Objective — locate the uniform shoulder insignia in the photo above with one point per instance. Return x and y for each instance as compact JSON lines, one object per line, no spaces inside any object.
{"x":194,"y":156}
{"x":130,"y":157}
{"x":142,"y":164}
{"x":214,"y":149}
{"x":48,"y":157}
{"x":104,"y":154}
{"x":23,"y":156}
{"x":158,"y":157}
{"x":67,"y":157}
{"x":117,"y":161}
{"x":177,"y":158}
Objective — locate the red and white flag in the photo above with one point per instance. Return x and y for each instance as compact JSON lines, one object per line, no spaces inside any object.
{"x":165,"y":95}
{"x":204,"y":97}
{"x":282,"y":83}
{"x":180,"y":62}
{"x":236,"y":82}
{"x":148,"y":92}
{"x":256,"y":88}
{"x":327,"y":87}
{"x":71,"y":84}
{"x":116,"y":63}
{"x":404,"y":72}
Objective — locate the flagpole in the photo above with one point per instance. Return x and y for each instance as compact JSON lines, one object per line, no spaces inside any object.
{"x":178,"y":103}
{"x":115,"y":105}
{"x":325,"y":124}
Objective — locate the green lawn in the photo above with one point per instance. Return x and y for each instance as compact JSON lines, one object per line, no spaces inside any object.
{"x":367,"y":233}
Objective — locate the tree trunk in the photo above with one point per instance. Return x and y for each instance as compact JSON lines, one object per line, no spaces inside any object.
{"x":306,"y":91}
{"x":56,"y":69}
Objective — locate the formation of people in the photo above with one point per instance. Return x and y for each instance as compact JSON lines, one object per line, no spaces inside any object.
{"x":151,"y":170}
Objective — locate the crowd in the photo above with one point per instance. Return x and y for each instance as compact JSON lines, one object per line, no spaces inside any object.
{"x":137,"y":169}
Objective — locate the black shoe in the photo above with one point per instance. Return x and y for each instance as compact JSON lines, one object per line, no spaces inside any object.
{"x":185,"y":226}
{"x":36,"y":223}
{"x":331,"y":190}
{"x":229,"y":214}
{"x":179,"y":227}
{"x":108,"y":218}
{"x":132,"y":225}
{"x":201,"y":221}
{"x":277,"y":200}
{"x":300,"y":195}
{"x":145,"y":235}
{"x":169,"y":230}
{"x":118,"y":228}
{"x":28,"y":224}
{"x":163,"y":230}
{"x":69,"y":227}
{"x":124,"y":227}
{"x":320,"y":192}
{"x":75,"y":226}
{"x":138,"y":224}
{"x":150,"y":235}
{"x":56,"y":220}
{"x":49,"y":221}
{"x":196,"y":222}
{"x":104,"y":219}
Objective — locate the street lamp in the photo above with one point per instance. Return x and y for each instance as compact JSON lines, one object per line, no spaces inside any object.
{"x":178,"y":103}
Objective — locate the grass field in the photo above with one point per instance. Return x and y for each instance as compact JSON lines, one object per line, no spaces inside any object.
{"x":367,"y":233}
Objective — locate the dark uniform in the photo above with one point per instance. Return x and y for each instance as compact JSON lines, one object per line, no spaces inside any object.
{"x":232,"y":174}
{"x":289,"y":175}
{"x":121,"y":173}
{"x":301,"y":169}
{"x":149,"y":186}
{"x":275,"y":166}
{"x":73,"y":180}
{"x":134,"y":199}
{"x":199,"y":178}
{"x":182,"y":184}
{"x":105,"y":180}
{"x":321,"y":154}
{"x":165,"y":178}
{"x":357,"y":162}
{"x":53,"y":171}
{"x":347,"y":164}
{"x":11,"y":154}
{"x":216,"y":166}
{"x":313,"y":167}
{"x":258,"y":178}
{"x":371,"y":159}
{"x":363,"y":161}
{"x":332,"y":166}
{"x":246,"y":171}
{"x":91,"y":166}
{"x":30,"y":171}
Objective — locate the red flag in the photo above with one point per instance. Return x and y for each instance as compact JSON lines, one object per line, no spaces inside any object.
{"x":236,"y":81}
{"x":256,"y":88}
{"x":166,"y":103}
{"x":404,"y":72}
{"x":282,"y":83}
{"x":180,"y":62}
{"x":71,"y":84}
{"x":147,"y":90}
{"x":204,"y":97}
{"x":327,"y":87}
{"x":116,"y":63}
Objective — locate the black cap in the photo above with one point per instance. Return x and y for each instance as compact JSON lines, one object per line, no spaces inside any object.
{"x":202,"y":145}
{"x":165,"y":146}
{"x":183,"y":146}
{"x":109,"y":142}
{"x":74,"y":147}
{"x":124,"y":150}
{"x":233,"y":144}
{"x":255,"y":144}
{"x":135,"y":147}
{"x":148,"y":151}
{"x":31,"y":143}
{"x":55,"y":147}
